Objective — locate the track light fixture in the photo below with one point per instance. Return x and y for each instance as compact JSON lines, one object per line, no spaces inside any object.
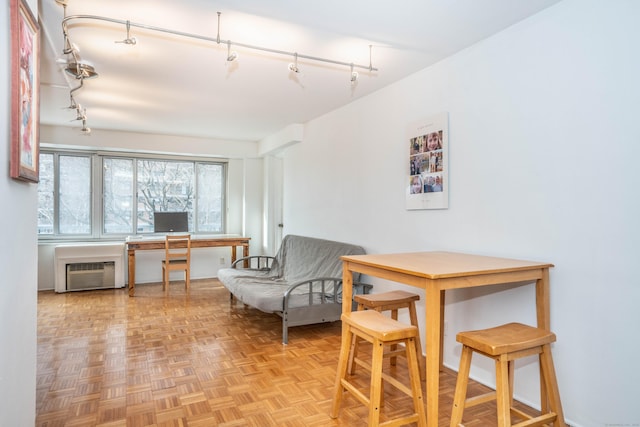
{"x":72,"y":102}
{"x":129,"y":40}
{"x":82,"y":70}
{"x":80,"y":114}
{"x":293,"y":66}
{"x":231,"y":56}
{"x":79,"y":69}
{"x":217,"y":39}
{"x":85,"y":129}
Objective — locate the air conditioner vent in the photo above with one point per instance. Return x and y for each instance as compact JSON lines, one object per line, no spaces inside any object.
{"x":86,"y":266}
{"x":90,"y":275}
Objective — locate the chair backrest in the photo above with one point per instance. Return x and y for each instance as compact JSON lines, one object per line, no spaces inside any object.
{"x":177,"y":247}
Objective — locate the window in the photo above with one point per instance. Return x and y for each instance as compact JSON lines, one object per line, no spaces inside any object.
{"x":99,"y":195}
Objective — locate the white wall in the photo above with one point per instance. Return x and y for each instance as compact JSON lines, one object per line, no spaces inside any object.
{"x":244,"y":183}
{"x":18,"y":296}
{"x":544,"y":145}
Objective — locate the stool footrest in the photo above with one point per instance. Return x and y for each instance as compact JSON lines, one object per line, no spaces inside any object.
{"x":538,"y":421}
{"x":477,"y":400}
{"x":355,"y":392}
{"x":388,"y":378}
{"x":401,"y":421}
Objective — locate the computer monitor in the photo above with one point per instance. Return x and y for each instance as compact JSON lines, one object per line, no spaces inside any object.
{"x":170,"y":222}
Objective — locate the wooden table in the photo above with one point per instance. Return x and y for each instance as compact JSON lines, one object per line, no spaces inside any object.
{"x":436,"y":272}
{"x":196,"y":242}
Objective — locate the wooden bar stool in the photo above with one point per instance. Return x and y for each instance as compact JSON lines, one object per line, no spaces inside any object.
{"x":504,"y":344}
{"x":379,"y":330}
{"x":389,"y":301}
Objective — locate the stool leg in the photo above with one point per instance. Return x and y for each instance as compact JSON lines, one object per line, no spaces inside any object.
{"x":510,"y":369}
{"x":416,"y":387}
{"x":551,"y":383}
{"x":376,"y":384}
{"x":347,"y":336}
{"x":461,"y":386}
{"x":502,"y":391}
{"x":394,"y":347}
{"x":353,"y":353}
{"x":421,"y":359}
{"x":354,"y":348}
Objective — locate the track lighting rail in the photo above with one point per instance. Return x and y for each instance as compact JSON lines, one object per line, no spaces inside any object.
{"x":67,"y":20}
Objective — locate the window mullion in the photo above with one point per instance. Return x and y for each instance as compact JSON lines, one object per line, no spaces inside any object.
{"x":96,"y":196}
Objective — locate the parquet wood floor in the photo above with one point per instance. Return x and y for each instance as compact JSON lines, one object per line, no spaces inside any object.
{"x":194,"y":359}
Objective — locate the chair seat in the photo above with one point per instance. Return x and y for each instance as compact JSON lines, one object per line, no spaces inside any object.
{"x":508,"y":338}
{"x":175,"y":261}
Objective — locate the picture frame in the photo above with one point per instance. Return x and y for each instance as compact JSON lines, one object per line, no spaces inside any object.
{"x":25,"y":93}
{"x":427,"y":177}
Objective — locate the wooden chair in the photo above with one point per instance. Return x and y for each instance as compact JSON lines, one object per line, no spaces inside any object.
{"x":379,"y":330}
{"x":505,"y":344}
{"x":177,"y":250}
{"x":389,"y":301}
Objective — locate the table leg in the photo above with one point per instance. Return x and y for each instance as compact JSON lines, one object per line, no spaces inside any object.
{"x":543,"y":313}
{"x":347,"y":287}
{"x":441,"y":329}
{"x":245,"y":253}
{"x":433,"y":346}
{"x":132,"y":271}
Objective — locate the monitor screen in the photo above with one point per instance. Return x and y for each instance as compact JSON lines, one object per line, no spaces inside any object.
{"x":170,"y":222}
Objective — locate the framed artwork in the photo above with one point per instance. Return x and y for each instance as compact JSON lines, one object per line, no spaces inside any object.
{"x":25,"y":92}
{"x":427,"y":145}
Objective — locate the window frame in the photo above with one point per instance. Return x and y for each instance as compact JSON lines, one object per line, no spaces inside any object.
{"x":97,"y":191}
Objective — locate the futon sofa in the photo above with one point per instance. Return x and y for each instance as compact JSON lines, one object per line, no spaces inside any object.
{"x":302,"y":283}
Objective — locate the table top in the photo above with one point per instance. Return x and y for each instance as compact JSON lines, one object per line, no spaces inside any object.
{"x":160,"y":237}
{"x":157,"y":242}
{"x":441,"y":265}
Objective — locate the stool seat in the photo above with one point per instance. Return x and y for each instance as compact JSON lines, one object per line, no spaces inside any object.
{"x":379,"y":330}
{"x":504,"y":344}
{"x":377,"y":326}
{"x":507,"y":338}
{"x":389,"y":301}
{"x":386,"y":299}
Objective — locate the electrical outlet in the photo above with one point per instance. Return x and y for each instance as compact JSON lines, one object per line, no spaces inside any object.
{"x":221,"y":260}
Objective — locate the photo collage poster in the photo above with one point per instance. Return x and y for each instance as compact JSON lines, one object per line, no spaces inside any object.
{"x":427,"y":178}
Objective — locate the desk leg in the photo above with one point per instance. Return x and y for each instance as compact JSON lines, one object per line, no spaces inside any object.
{"x":132,"y":271}
{"x":245,"y":253}
{"x":233,"y":254}
{"x":434,"y":312}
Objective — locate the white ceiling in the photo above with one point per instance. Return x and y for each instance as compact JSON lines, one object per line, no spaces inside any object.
{"x":183,"y":86}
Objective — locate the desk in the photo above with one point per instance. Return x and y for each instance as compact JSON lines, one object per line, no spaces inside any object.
{"x":436,"y":272}
{"x":205,"y":242}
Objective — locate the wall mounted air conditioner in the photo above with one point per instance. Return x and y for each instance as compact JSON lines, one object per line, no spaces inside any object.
{"x":83,"y":266}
